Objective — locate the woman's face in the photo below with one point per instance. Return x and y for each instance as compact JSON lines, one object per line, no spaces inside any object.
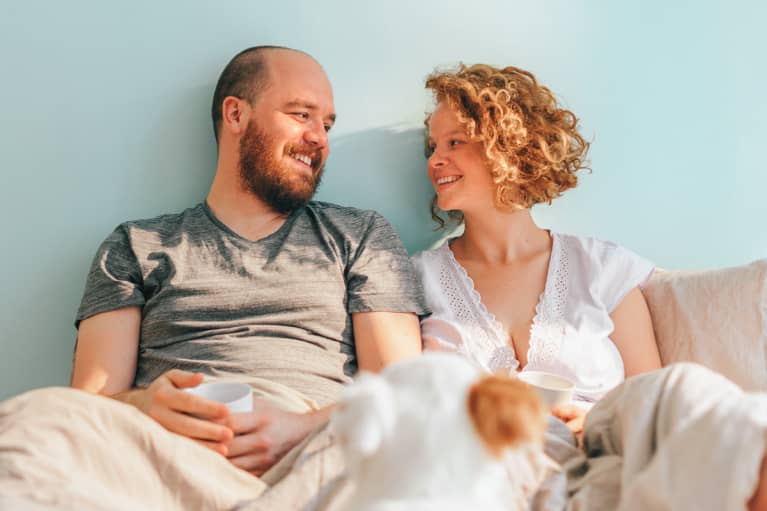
{"x":457,"y":167}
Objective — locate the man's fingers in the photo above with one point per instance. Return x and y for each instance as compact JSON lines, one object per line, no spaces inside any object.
{"x":242,"y":423}
{"x":183,"y":379}
{"x":247,"y":444}
{"x":256,"y":464}
{"x":192,"y":427}
{"x":183,"y":401}
{"x":218,"y":447}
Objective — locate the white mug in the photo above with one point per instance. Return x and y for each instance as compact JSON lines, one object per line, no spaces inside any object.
{"x":238,"y":397}
{"x":553,"y":389}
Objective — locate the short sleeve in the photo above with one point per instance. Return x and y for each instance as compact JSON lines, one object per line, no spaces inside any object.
{"x":380,"y":276}
{"x":621,"y":271}
{"x":440,"y":331}
{"x":114,"y":280}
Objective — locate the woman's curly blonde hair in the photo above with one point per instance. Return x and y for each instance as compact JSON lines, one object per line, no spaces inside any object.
{"x":532,"y":145}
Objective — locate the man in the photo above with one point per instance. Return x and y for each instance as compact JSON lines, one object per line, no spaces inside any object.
{"x":256,"y":283}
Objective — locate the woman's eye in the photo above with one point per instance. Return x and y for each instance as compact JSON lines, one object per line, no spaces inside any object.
{"x":454,"y":143}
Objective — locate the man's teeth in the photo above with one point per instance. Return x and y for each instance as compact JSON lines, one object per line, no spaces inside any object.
{"x":303,"y":159}
{"x":448,"y":179}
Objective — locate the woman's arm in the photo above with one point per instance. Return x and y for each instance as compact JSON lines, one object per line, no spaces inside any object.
{"x":633,"y":334}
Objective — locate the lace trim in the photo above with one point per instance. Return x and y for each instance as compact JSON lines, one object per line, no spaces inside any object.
{"x":547,"y":329}
{"x":476,"y":299}
{"x":484,"y":342}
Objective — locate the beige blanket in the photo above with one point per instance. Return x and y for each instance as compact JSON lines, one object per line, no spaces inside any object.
{"x":65,"y":449}
{"x":675,"y":439}
{"x":73,"y":450}
{"x":679,"y":438}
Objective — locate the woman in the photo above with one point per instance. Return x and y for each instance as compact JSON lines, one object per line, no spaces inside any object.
{"x":507,"y":293}
{"x":512,"y":296}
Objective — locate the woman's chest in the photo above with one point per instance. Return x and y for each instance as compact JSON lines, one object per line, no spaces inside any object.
{"x":511,"y":296}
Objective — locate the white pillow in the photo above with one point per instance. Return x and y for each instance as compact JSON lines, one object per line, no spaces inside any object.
{"x":717,"y":318}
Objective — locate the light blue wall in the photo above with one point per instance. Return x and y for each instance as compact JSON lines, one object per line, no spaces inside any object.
{"x":104,"y":111}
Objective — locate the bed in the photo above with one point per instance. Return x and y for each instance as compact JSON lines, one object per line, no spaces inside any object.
{"x":717,"y":318}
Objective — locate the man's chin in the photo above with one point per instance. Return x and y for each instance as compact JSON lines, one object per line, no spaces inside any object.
{"x":285,"y":202}
{"x":303,"y":191}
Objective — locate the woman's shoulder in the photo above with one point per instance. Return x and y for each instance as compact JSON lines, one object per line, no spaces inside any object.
{"x":426,"y":258}
{"x":606,"y":268}
{"x":595,"y":250}
{"x":587,"y":244}
{"x":430,"y":265}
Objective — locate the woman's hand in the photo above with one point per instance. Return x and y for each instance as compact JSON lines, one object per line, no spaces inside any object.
{"x":573,"y":416}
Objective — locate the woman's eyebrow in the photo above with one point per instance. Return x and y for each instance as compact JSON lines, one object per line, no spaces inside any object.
{"x":451,"y":133}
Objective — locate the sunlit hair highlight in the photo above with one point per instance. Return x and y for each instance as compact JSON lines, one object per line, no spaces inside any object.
{"x":532,"y":145}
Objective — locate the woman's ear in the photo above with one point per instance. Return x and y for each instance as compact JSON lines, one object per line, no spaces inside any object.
{"x":366,"y":415}
{"x":504,"y":412}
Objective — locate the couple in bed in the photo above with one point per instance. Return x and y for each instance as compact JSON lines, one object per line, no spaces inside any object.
{"x":261,"y":284}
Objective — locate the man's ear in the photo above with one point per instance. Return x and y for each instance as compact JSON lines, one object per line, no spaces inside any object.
{"x":235,"y":115}
{"x":366,"y":415}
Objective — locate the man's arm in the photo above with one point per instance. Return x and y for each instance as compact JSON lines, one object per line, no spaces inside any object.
{"x":107,"y":351}
{"x":105,"y":363}
{"x":265,"y":435}
{"x":382,"y":338}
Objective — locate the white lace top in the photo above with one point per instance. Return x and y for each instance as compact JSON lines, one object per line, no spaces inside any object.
{"x":570,"y":333}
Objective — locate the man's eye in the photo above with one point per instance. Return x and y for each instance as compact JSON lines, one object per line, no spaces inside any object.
{"x":301,"y":115}
{"x":328,"y":127}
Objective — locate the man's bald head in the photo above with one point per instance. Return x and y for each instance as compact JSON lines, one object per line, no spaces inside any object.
{"x":245,"y":76}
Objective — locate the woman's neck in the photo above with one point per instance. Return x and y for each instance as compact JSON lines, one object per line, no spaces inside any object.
{"x":499,"y":237}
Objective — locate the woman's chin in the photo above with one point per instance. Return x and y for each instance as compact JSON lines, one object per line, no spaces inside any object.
{"x":446,"y":205}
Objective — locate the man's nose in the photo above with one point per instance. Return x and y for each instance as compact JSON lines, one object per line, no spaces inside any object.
{"x":316,"y":134}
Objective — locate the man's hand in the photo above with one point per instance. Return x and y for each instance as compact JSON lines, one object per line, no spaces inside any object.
{"x":166,"y":402}
{"x":266,"y":434}
{"x":573,"y":416}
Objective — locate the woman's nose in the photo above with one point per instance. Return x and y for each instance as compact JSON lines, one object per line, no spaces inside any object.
{"x":436,"y":159}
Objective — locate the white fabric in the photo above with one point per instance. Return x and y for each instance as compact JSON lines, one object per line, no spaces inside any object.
{"x":681,"y":437}
{"x":570,"y":334}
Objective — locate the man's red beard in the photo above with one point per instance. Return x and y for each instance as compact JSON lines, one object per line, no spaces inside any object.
{"x":280,"y":186}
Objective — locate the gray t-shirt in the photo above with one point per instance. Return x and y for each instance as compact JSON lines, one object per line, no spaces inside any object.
{"x":278,"y":308}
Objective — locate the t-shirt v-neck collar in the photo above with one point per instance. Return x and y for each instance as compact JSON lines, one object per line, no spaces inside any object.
{"x":229,"y":231}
